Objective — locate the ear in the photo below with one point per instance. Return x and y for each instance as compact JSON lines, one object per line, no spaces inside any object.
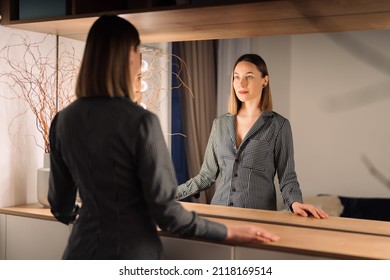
{"x":265,"y":81}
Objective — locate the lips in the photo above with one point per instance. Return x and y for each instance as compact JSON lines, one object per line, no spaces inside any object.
{"x":243,"y":92}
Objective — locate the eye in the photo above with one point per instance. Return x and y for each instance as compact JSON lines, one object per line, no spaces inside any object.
{"x":250,"y":77}
{"x":236,"y":77}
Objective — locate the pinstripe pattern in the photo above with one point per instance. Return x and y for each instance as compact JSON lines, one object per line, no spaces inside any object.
{"x":113,"y":152}
{"x":246,"y":174}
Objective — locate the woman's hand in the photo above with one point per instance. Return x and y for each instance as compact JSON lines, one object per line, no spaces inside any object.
{"x":249,"y":233}
{"x":306,"y":209}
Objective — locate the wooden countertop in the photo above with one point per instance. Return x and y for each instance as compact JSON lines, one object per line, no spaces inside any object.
{"x":322,"y":243}
{"x":335,"y":237}
{"x":35,"y":210}
{"x":380,"y":228}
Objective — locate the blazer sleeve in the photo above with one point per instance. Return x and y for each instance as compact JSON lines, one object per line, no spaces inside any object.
{"x":62,"y":189}
{"x":207,"y":174}
{"x":284,"y":156}
{"x":157,"y":176}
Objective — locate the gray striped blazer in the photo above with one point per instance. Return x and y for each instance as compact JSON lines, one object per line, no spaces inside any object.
{"x":246,"y":174}
{"x":113,"y":152}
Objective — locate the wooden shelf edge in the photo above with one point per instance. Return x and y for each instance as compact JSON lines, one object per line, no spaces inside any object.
{"x":233,"y":21}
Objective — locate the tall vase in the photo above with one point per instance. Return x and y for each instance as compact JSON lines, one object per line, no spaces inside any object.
{"x":43,"y":181}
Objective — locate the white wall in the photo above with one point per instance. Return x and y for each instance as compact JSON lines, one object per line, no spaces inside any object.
{"x":340,"y":110}
{"x":335,"y":89}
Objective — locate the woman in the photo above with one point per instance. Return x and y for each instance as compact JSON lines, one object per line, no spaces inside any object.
{"x":248,"y":146}
{"x":112,"y":151}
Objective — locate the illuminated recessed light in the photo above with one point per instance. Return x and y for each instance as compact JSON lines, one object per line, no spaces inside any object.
{"x":144,"y":86}
{"x":144,"y":66}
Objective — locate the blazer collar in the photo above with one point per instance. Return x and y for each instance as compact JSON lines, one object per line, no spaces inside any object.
{"x":231,"y":124}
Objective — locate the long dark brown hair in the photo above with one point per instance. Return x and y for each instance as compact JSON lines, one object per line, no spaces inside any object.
{"x":105,"y":68}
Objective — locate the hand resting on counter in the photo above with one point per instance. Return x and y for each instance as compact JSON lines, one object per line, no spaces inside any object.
{"x":241,"y":234}
{"x":307,"y":209}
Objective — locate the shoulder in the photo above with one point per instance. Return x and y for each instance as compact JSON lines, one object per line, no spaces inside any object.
{"x":276,"y":118}
{"x":224,"y":118}
{"x":127,"y":107}
{"x":278,"y":121}
{"x":116,"y":112}
{"x":138,"y":119}
{"x":222,"y":122}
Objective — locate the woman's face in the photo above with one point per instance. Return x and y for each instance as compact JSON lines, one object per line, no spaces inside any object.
{"x":135,"y":69}
{"x":248,"y":82}
{"x":137,"y":87}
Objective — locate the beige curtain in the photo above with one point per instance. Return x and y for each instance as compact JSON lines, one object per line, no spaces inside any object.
{"x":199,"y":111}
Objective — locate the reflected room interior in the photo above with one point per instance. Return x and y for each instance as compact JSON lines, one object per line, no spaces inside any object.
{"x":333,"y":87}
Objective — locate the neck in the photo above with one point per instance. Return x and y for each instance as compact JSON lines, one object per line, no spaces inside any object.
{"x":249,"y":110}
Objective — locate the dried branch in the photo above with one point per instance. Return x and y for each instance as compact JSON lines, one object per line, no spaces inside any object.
{"x":36,"y":79}
{"x":154,"y":76}
{"x":375,"y":172}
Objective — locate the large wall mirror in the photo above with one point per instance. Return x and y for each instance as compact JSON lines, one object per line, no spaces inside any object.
{"x":334,"y":89}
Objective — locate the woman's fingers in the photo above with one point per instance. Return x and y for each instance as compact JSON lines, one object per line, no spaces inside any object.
{"x":299,"y":211}
{"x":306,"y":209}
{"x":250,"y":234}
{"x":266,"y":236}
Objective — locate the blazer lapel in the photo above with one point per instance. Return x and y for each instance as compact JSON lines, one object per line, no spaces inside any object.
{"x":231,"y":125}
{"x":257,"y":125}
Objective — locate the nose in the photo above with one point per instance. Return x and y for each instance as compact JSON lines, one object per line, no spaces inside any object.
{"x":243,"y":82}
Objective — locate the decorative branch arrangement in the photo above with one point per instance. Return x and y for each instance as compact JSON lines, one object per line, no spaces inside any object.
{"x":161,"y":64}
{"x":154,"y":75}
{"x":44,"y":80}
